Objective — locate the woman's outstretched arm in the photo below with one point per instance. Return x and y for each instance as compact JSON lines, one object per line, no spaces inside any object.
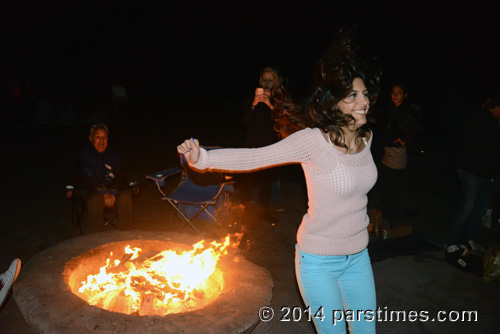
{"x":299,"y":147}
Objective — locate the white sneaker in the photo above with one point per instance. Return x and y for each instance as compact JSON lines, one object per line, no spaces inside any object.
{"x":452,"y":249}
{"x":8,"y":278}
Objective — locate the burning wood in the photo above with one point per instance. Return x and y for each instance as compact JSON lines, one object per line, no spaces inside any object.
{"x":158,"y":282}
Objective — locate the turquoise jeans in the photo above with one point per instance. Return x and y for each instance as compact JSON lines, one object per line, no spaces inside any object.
{"x":339,"y":290}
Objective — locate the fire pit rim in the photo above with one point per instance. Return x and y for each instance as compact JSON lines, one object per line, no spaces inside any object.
{"x":46,"y":301}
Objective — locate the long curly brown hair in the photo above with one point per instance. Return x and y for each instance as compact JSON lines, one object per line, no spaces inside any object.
{"x":332,"y":82}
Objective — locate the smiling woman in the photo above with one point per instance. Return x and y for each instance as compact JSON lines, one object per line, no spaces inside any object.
{"x":356,"y":104}
{"x":328,"y":137}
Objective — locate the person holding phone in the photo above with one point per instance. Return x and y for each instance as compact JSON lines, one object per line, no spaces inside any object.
{"x":259,"y":123}
{"x":329,"y":137}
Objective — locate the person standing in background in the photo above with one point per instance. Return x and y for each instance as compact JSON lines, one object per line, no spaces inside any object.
{"x":397,"y":129}
{"x":258,"y":119}
{"x":479,"y":167}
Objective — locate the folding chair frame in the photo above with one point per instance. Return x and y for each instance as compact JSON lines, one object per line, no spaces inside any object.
{"x":159,"y":179}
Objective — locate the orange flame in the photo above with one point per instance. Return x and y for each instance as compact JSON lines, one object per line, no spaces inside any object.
{"x":159,"y":283}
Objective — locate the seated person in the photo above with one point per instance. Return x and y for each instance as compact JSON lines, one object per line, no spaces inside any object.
{"x":101,"y":182}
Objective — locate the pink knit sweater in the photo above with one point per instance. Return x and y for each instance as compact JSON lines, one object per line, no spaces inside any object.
{"x":337,"y":186}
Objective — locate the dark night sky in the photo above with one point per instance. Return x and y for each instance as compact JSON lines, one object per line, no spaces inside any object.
{"x":215,"y":49}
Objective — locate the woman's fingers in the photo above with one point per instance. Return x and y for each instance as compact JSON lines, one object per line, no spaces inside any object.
{"x":186,"y":145}
{"x":191,"y":150}
{"x":260,"y":98}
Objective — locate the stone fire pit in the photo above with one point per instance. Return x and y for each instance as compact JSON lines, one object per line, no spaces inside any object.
{"x":46,"y":302}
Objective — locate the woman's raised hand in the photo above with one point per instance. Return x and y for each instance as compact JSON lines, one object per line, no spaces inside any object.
{"x":262,"y":98}
{"x":191,"y":150}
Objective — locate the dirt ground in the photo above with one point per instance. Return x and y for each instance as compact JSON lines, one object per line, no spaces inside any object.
{"x":36,"y":165}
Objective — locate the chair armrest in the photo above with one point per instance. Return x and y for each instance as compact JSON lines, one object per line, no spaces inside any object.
{"x":161,"y":176}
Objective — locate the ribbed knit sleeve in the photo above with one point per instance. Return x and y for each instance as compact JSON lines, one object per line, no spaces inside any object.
{"x":337,"y":187}
{"x":299,"y":147}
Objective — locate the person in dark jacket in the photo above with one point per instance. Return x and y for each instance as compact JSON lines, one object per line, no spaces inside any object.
{"x":397,"y":129}
{"x":102,"y":183}
{"x":479,"y":166}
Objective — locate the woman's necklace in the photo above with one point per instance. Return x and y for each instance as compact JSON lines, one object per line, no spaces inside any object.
{"x":350,"y":150}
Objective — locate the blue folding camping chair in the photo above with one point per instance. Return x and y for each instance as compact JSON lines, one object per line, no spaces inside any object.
{"x":198,"y":195}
